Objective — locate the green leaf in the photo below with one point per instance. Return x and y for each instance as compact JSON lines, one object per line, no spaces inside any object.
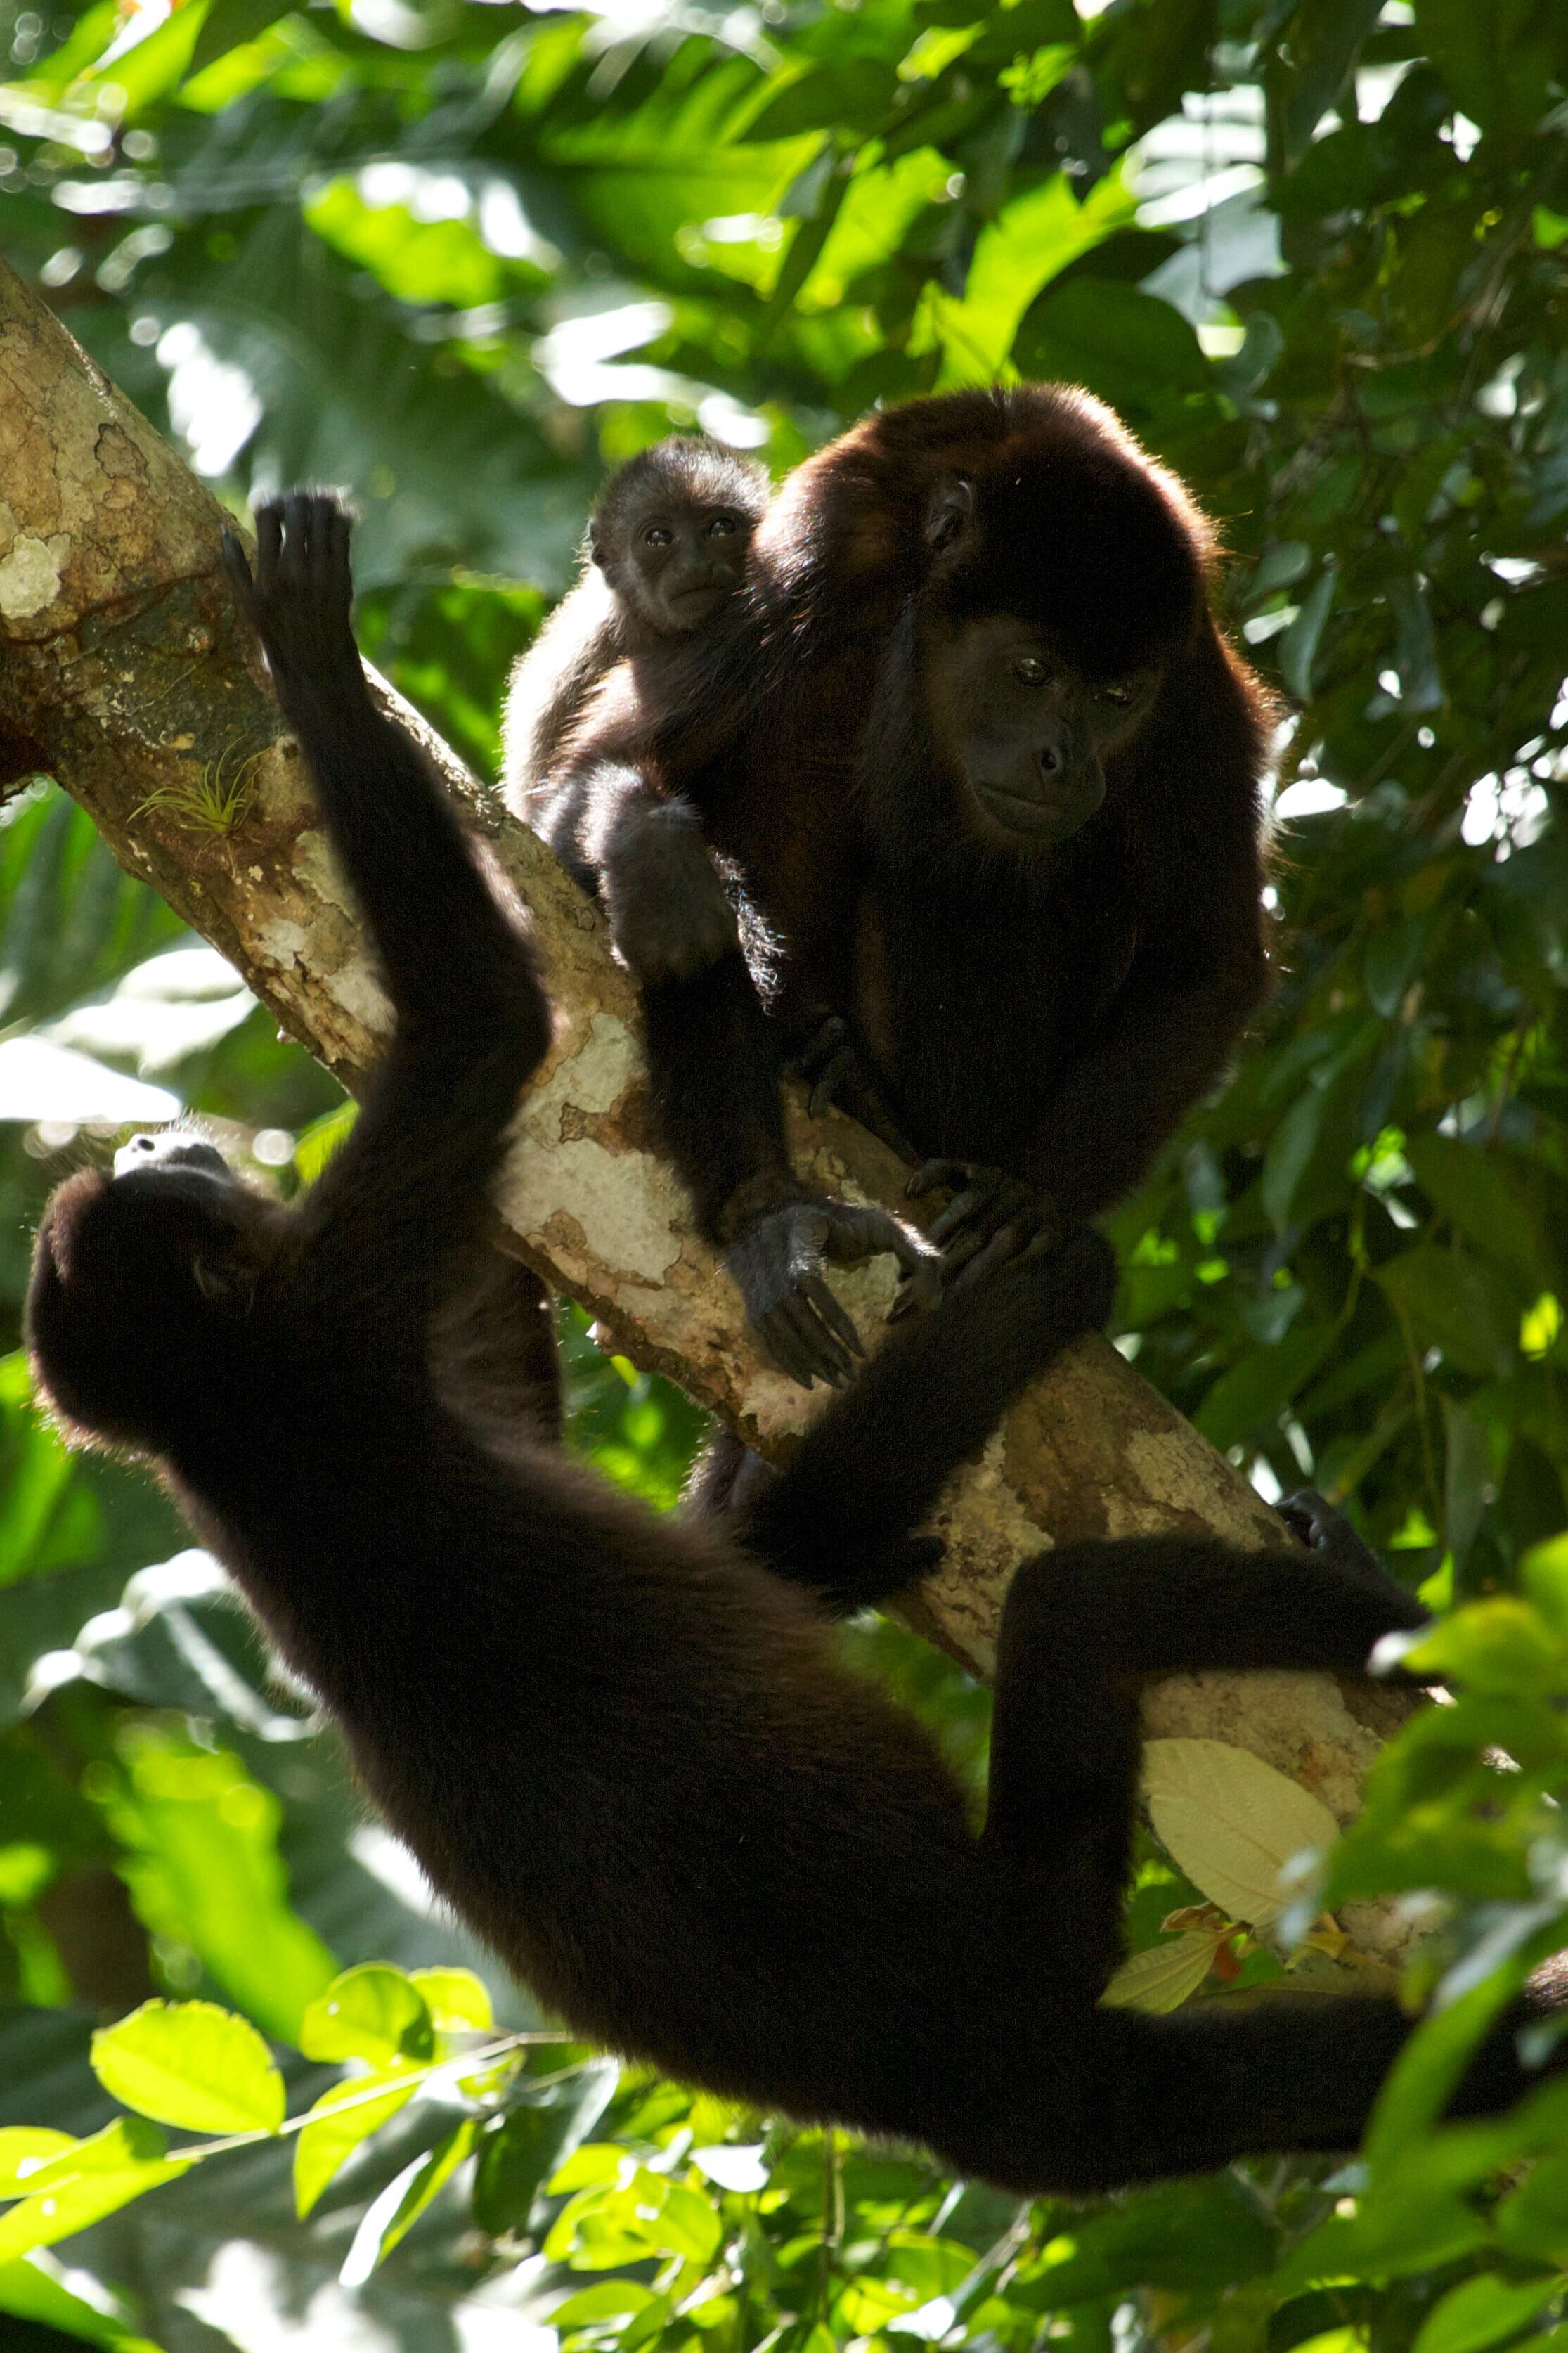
{"x":191,"y":2063}
{"x":457,"y":1999}
{"x":1502,"y":1645}
{"x":401,"y":2203}
{"x":1299,"y":643}
{"x":524,"y":2148}
{"x":1034,"y":236}
{"x":1427,"y":2074}
{"x":1253,"y":1393}
{"x":93,"y":2179}
{"x":1481,"y":2312}
{"x":202,"y":1865}
{"x":29,"y":2291}
{"x":372,"y":2012}
{"x":1133,"y":349}
{"x":23,"y":2149}
{"x":1467,"y":1476}
{"x":1192,"y":2234}
{"x":1544,"y":1574}
{"x":230,"y":22}
{"x":1465,"y":1306}
{"x":340,"y":2120}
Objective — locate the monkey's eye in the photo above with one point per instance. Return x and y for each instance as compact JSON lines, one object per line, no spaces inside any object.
{"x":1121,"y":691}
{"x":1030,"y":670}
{"x":723,"y":527}
{"x":655,"y":535}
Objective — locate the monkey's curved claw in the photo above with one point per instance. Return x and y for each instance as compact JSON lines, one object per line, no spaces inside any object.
{"x":777,"y":1266}
{"x":992,"y":1219}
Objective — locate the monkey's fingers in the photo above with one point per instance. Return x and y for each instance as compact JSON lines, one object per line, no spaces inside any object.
{"x":298,"y":538}
{"x":268,"y":542}
{"x":1307,"y":1514}
{"x":788,"y":1345}
{"x":815,"y":1293}
{"x":237,"y":567}
{"x":945,"y":1175}
{"x":1009,"y":1243}
{"x":773,"y":1266}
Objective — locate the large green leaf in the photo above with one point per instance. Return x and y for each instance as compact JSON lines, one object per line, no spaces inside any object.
{"x":191,"y":2063}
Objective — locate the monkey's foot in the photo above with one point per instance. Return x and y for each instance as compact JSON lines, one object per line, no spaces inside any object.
{"x":669,"y":910}
{"x":994,"y":1218}
{"x":776,"y":1265}
{"x":826,"y":1061}
{"x":1329,"y":1537}
{"x":299,"y":601}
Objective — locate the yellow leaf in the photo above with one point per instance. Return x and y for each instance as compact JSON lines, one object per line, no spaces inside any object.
{"x":1231,"y":1822}
{"x":1163,"y":1978}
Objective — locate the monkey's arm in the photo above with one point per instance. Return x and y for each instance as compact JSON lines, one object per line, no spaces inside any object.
{"x":550,"y":687}
{"x":472,"y":1019}
{"x":645,"y":850}
{"x":871,"y":1468}
{"x":1164,"y":1044}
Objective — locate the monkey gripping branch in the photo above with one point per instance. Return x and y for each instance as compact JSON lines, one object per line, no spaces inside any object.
{"x":124,"y":675}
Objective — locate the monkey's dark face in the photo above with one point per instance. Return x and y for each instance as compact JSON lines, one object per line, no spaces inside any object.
{"x":681,"y":562}
{"x":1026,"y":730}
{"x":134,"y":1275}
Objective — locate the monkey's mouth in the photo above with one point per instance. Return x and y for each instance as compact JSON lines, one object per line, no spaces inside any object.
{"x":699,"y":602}
{"x":1041,"y":820}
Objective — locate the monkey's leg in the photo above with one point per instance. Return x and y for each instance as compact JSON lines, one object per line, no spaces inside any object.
{"x":872,"y":1466}
{"x":1111,"y":2096}
{"x":493,"y":1341}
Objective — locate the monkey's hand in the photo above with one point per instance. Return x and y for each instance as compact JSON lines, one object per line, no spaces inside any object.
{"x":992,"y":1219}
{"x":1329,"y":1535}
{"x":299,"y":601}
{"x":776,"y":1265}
{"x":826,"y":1061}
{"x":831,"y":1063}
{"x":667,"y":908}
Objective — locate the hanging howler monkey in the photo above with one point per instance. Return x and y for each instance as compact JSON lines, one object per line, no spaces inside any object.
{"x":988,"y":775}
{"x":664,"y":555}
{"x":668,"y":1803}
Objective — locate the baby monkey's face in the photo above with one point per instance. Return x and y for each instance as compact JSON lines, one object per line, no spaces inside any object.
{"x":681,"y":563}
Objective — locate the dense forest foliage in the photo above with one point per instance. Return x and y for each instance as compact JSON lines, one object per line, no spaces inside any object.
{"x":461,"y":257}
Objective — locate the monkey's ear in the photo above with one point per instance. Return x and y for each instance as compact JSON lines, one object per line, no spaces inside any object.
{"x":225,"y":1282}
{"x":949,"y":511}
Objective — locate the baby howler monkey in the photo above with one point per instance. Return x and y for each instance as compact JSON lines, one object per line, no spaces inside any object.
{"x":623,"y":1746}
{"x":664,"y":553}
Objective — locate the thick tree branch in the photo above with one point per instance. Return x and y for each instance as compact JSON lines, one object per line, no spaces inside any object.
{"x":123,"y":671}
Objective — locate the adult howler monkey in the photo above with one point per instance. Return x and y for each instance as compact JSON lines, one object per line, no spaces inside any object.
{"x":664,"y":553}
{"x":988,"y":773}
{"x":668,"y":1804}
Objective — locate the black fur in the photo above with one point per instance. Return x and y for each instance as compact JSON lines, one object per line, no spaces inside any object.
{"x":1024,"y":890}
{"x":624,"y":1746}
{"x":663,"y":557}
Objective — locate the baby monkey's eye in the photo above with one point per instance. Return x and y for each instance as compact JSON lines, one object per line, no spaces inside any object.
{"x":655,"y":535}
{"x":724,"y":526}
{"x":1122,"y":691}
{"x":1030,"y":670}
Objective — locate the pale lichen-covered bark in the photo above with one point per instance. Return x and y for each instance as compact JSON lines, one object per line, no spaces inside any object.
{"x":123,"y":673}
